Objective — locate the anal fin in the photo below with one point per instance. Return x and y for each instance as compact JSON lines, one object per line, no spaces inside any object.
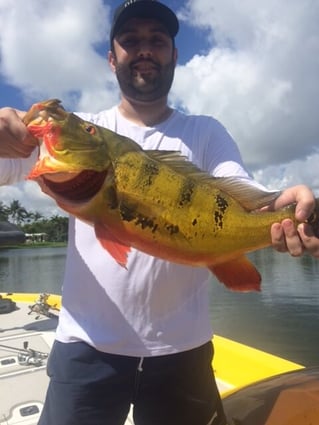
{"x":238,"y":275}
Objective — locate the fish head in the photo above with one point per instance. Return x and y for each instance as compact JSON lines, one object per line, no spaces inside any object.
{"x":73,"y":154}
{"x":67,"y":143}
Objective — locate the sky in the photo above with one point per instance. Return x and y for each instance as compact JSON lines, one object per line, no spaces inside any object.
{"x":252,"y":65}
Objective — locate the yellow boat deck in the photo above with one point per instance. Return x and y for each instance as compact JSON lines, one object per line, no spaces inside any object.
{"x":237,"y":365}
{"x":23,"y":379}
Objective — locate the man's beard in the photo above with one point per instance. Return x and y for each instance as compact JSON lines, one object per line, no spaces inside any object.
{"x":143,"y":87}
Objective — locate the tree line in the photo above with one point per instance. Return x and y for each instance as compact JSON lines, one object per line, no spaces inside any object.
{"x":55,"y":227}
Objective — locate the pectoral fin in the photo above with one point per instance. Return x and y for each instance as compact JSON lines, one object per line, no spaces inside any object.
{"x":114,"y":247}
{"x":238,"y":275}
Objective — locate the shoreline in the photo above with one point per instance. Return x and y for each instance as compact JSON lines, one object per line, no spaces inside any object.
{"x":35,"y":245}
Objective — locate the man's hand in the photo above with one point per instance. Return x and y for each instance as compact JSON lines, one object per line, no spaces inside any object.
{"x":15,"y":140}
{"x":286,"y":237}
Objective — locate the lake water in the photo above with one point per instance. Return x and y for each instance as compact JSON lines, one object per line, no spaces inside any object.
{"x":282,"y":319}
{"x":32,"y":270}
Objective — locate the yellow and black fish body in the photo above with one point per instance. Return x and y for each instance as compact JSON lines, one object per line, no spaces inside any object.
{"x":155,"y":201}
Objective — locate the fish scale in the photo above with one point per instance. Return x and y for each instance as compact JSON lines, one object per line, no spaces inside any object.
{"x":154,"y":201}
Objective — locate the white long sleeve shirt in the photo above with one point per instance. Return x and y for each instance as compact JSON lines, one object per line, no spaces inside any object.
{"x":153,"y":307}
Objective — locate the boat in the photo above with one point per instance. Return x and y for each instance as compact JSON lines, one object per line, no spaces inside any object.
{"x":257,"y":388}
{"x":10,"y":234}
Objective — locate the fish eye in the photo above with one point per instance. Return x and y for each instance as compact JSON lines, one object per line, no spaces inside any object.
{"x":90,"y":129}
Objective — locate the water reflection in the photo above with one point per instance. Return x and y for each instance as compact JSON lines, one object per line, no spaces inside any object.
{"x":284,"y":317}
{"x":32,"y":270}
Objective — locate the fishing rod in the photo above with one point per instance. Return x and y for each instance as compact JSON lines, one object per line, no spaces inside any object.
{"x":27,"y":356}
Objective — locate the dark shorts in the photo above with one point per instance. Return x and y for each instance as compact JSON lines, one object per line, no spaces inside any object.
{"x":88,"y":387}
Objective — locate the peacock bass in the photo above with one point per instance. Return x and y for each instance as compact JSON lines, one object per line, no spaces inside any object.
{"x":154,"y":201}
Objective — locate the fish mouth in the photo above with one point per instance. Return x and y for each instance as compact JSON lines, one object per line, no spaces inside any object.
{"x":82,"y":187}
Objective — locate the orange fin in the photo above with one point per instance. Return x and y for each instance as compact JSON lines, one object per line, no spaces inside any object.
{"x":238,"y":275}
{"x":114,"y":247}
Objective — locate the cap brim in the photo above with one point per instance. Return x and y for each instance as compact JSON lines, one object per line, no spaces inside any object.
{"x":147,"y":9}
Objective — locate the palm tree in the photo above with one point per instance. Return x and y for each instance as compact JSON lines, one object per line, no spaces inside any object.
{"x":17,"y":213}
{"x":58,"y":228}
{"x":37,"y":216}
{"x":4,"y":212}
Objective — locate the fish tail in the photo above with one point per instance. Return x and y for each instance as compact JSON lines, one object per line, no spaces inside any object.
{"x":313,"y":220}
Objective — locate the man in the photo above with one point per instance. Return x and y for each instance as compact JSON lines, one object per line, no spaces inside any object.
{"x":141,"y":335}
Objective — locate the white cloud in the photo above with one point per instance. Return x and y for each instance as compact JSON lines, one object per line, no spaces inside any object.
{"x":292,"y":173}
{"x":31,"y":198}
{"x":260,"y":78}
{"x":49,"y":49}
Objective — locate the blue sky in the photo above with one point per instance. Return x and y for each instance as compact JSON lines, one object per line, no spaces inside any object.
{"x":252,"y":65}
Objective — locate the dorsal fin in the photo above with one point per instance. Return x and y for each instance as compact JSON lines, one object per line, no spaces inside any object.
{"x":246,"y":192}
{"x":177,"y":161}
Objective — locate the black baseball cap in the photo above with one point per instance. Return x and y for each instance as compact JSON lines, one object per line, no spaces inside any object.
{"x":144,"y":9}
